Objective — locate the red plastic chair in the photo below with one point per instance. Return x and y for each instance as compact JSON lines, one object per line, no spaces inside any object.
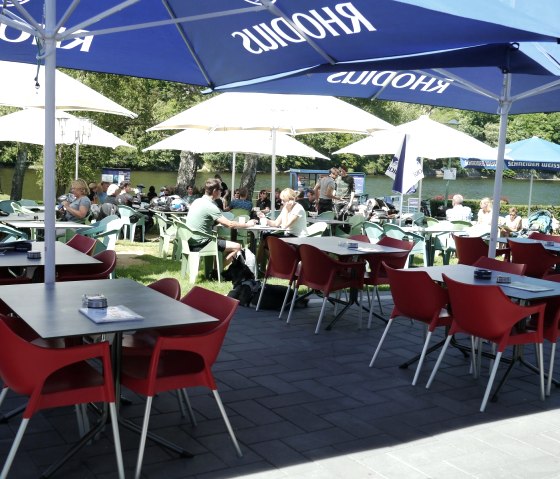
{"x":82,"y":243}
{"x":551,"y":332}
{"x":501,"y":266}
{"x":168,"y":286}
{"x":320,"y":272}
{"x":377,"y":275}
{"x":101,"y":270}
{"x":282,"y":263}
{"x":485,"y":312}
{"x":181,"y":361}
{"x":537,"y":235}
{"x":539,"y":261}
{"x":416,"y":296}
{"x":58,"y":377}
{"x":469,"y":249}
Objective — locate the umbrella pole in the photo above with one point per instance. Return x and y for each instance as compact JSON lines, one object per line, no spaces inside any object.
{"x":49,"y":196}
{"x":273,"y":175}
{"x":505,"y":105}
{"x":530,"y":194}
{"x":233,"y":158}
{"x":77,"y":159}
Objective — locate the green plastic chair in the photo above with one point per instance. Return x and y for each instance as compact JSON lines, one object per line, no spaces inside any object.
{"x":242,"y":235}
{"x":17,"y":208}
{"x":317,"y":229}
{"x":356,"y":223}
{"x":6,"y":206}
{"x":129,"y":228}
{"x":395,"y":231}
{"x":191,"y":259}
{"x":9,"y":234}
{"x":326,"y":215}
{"x":167,"y":233}
{"x":374,"y":231}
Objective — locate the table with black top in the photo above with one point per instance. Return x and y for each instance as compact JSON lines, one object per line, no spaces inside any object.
{"x":52,"y":311}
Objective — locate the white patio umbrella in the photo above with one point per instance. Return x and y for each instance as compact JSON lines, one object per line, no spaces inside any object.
{"x":23,"y":85}
{"x":426,"y":138}
{"x":28,"y":126}
{"x":276,"y":113}
{"x":235,"y":141}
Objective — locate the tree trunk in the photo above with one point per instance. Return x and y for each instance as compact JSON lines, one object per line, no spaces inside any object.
{"x":186,"y":175}
{"x":249,"y":175}
{"x":19,"y":173}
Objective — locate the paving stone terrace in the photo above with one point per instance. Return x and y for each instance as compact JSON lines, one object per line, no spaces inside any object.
{"x":308,"y":406}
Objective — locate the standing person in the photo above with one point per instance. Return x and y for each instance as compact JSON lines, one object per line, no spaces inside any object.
{"x":458,"y":212}
{"x":485,"y":213}
{"x":345,"y":190}
{"x":225,"y":190}
{"x":263,"y":203}
{"x":204,"y":214}
{"x":325,"y":191}
{"x":78,"y":209}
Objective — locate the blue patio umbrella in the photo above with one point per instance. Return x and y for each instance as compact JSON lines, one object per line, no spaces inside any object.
{"x":530,"y":154}
{"x":217,"y":42}
{"x":503,"y":79}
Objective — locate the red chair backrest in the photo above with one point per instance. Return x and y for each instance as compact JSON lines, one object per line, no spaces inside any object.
{"x":318,"y":269}
{"x":205,"y":342}
{"x":415,"y":294}
{"x":168,"y":286}
{"x":502,"y":266}
{"x":364,"y":238}
{"x":469,"y":249}
{"x":108,"y":259}
{"x":394,"y":260}
{"x":483,"y":311}
{"x":283,"y":260}
{"x":396,"y":243}
{"x":210,"y":302}
{"x":537,"y":235}
{"x":534,"y":255}
{"x":82,"y":243}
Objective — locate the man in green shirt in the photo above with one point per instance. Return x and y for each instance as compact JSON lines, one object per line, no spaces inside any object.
{"x":204,"y":214}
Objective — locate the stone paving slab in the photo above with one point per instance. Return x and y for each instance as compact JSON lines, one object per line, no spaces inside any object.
{"x":308,"y":406}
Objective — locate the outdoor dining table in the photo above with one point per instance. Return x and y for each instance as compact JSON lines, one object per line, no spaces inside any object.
{"x":552,"y":246}
{"x":339,"y":247}
{"x":52,"y":311}
{"x":35,"y":225}
{"x":65,"y":256}
{"x":23,"y":217}
{"x":523,"y":288}
{"x":332,"y":223}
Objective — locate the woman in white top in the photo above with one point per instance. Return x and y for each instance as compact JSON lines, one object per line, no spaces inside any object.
{"x":485,"y":213}
{"x":292,"y":215}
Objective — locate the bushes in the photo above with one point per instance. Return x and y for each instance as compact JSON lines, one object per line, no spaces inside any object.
{"x":438,"y":209}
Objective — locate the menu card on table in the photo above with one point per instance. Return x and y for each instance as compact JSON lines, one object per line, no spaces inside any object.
{"x":110,"y":314}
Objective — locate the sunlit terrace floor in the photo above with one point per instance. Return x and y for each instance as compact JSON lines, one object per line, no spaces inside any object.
{"x":307,"y":406}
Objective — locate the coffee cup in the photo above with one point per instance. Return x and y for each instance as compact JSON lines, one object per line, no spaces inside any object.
{"x":242,"y":219}
{"x":263,"y":221}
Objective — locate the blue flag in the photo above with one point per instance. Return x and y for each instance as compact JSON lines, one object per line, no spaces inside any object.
{"x":405,"y":168}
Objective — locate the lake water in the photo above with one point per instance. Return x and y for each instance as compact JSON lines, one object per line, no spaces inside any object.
{"x":545,"y":192}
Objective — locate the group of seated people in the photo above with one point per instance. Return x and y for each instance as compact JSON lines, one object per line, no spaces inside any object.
{"x":512,"y":223}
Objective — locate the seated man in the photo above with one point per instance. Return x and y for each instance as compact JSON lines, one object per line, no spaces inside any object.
{"x":204,"y":214}
{"x":263,"y":203}
{"x":458,"y":212}
{"x":242,"y":202}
